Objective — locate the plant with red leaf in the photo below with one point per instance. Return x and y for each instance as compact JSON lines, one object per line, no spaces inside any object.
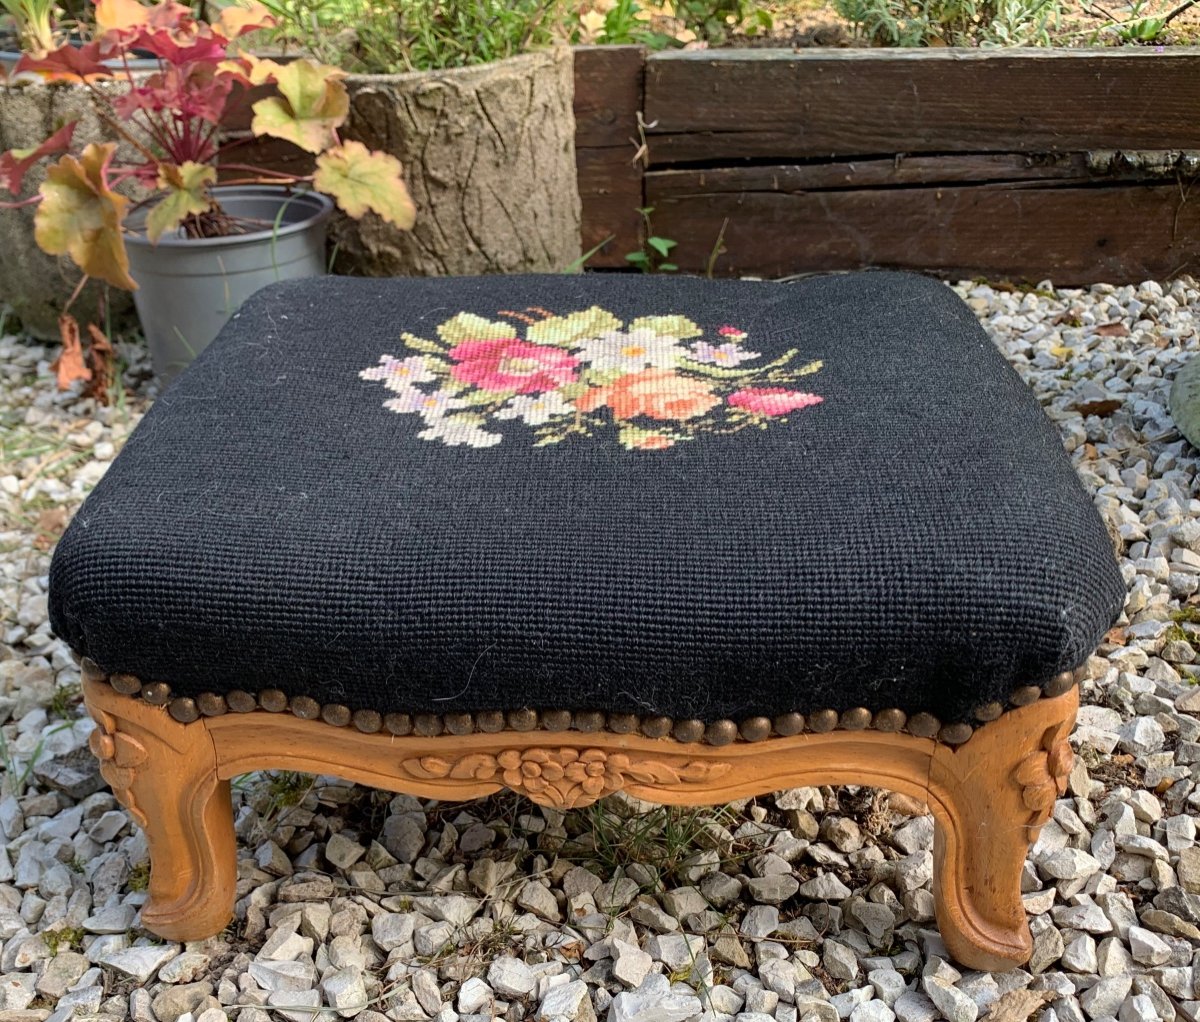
{"x":171,"y":121}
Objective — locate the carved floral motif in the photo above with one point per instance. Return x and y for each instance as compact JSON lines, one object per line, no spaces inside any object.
{"x":121,"y":756}
{"x":562,"y":777}
{"x":1042,"y":776}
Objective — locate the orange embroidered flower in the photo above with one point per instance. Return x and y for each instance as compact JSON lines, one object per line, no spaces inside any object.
{"x":654,"y":442}
{"x":655,"y":393}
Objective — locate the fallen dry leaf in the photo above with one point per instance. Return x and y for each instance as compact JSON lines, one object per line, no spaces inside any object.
{"x":50,"y":525}
{"x":906,"y":805}
{"x":1113,"y":330}
{"x":1018,"y":1005}
{"x":70,"y":366}
{"x":1117,"y":636}
{"x":101,"y":358}
{"x":1101,"y":408}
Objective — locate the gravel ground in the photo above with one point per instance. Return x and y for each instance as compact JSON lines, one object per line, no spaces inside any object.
{"x":811,"y":904}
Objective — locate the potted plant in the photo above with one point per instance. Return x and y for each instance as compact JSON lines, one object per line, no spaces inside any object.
{"x":475,"y":98}
{"x":193,"y":249}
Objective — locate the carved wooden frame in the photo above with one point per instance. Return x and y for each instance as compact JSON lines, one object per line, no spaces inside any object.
{"x":989,"y":796}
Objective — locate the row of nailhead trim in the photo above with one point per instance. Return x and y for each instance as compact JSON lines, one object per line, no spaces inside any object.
{"x":722,"y":732}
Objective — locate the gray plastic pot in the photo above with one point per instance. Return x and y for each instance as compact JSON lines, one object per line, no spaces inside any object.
{"x":189,"y":287}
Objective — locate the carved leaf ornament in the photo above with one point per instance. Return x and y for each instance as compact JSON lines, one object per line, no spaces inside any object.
{"x":121,"y":756}
{"x":1043,"y":775}
{"x":564,"y":778}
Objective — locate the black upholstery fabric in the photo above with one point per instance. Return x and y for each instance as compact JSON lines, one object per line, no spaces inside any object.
{"x":916,"y":539}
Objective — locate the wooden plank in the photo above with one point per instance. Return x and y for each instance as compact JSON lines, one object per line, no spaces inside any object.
{"x":608,"y":98}
{"x":608,"y":94}
{"x":610,"y":186}
{"x":716,"y":106}
{"x":893,"y":171}
{"x":1071,"y":235}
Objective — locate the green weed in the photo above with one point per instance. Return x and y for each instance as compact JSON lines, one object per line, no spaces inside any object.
{"x":654,"y":255}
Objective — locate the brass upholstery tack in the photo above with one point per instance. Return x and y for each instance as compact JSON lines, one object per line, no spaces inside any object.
{"x":459,"y":723}
{"x":755,"y":729}
{"x":335,"y":714}
{"x":788,"y":724}
{"x":183,"y":709}
{"x":158,"y":693}
{"x":890,"y":720}
{"x":211,"y":704}
{"x":305,"y":707}
{"x":721,"y":732}
{"x":657,"y":727}
{"x":398,"y":724}
{"x":273,"y":700}
{"x":367,"y":721}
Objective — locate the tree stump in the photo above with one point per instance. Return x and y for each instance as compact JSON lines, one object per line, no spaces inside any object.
{"x":489,"y":156}
{"x":37,"y":285}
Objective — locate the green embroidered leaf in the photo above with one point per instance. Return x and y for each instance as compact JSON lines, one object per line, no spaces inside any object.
{"x":551,"y":438}
{"x":567,"y":331}
{"x":636,"y":438}
{"x":812,"y":367}
{"x":602,"y":377}
{"x":472,"y":418}
{"x":420,"y":344}
{"x":572,"y":391}
{"x":487,"y":397}
{"x":668,"y":326}
{"x":467,"y":326}
{"x":716,"y":372}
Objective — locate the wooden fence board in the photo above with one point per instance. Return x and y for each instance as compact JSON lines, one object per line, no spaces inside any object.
{"x":1072,"y":235}
{"x":608,"y":98}
{"x":895,"y":171}
{"x":721,"y":106}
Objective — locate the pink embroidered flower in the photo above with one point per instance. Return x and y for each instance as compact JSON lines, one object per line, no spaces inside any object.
{"x":732,"y":332}
{"x":509,"y":364}
{"x":772,"y":400}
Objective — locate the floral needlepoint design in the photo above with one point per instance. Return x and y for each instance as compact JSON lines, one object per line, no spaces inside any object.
{"x":648,"y":384}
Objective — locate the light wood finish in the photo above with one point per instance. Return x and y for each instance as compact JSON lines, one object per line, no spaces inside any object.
{"x":989,"y":796}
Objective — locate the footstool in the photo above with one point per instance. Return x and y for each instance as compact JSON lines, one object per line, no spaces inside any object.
{"x":572,"y":535}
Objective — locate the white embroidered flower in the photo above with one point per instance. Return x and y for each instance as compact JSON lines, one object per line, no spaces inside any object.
{"x":536,"y":410}
{"x":430,"y":406}
{"x":398,"y":374}
{"x":457,"y":430}
{"x":724,"y":355}
{"x":631,"y":351}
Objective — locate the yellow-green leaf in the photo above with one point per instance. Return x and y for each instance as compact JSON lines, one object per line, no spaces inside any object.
{"x":361,"y":181}
{"x":468,"y":327}
{"x":312,"y":103}
{"x":81,"y":216}
{"x":565,"y":331}
{"x":187,"y":195}
{"x":667,"y":326}
{"x":420,"y":344}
